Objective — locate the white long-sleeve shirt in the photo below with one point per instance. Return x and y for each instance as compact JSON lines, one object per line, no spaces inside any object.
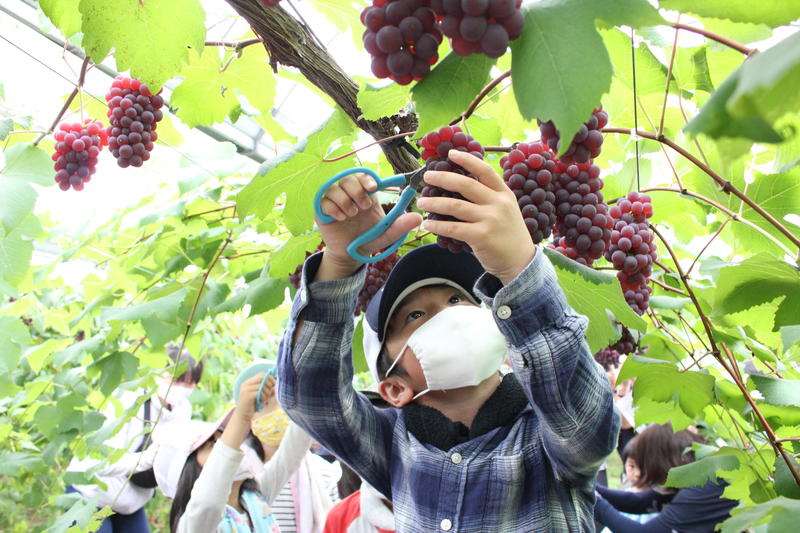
{"x":206,"y":507}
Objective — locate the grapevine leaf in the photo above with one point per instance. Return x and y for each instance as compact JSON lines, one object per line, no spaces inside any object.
{"x":15,"y":257}
{"x":751,"y":99}
{"x":165,"y":308}
{"x":251,"y":75}
{"x":292,"y":254}
{"x":790,"y":335}
{"x":359,"y":358}
{"x":780,"y":514}
{"x":460,"y":78}
{"x":13,"y":463}
{"x":778,"y":391}
{"x":29,"y":163}
{"x":651,"y":75}
{"x":785,"y":485}
{"x":261,"y":294}
{"x":343,"y":16}
{"x":6,"y":126}
{"x":701,"y":471}
{"x":562,"y":71}
{"x":377,"y":102}
{"x":691,"y":69}
{"x":756,"y":280}
{"x":13,"y":337}
{"x":146,"y":36}
{"x":113,"y":370}
{"x":63,"y":14}
{"x":594,"y":293}
{"x":298,"y":174}
{"x":778,"y":12}
{"x":664,"y":382}
{"x":202,"y":97}
{"x":649,"y":411}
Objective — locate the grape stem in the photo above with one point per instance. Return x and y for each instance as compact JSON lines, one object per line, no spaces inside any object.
{"x":379,"y":141}
{"x":730,"y":366}
{"x":739,"y":47}
{"x":481,"y":95}
{"x":727,"y":186}
{"x":67,"y":102}
{"x":667,"y":287}
{"x":201,"y":213}
{"x":236,"y":45}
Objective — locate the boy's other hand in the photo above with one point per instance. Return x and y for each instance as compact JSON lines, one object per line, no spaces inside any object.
{"x":490,"y":219}
{"x":355,"y":211}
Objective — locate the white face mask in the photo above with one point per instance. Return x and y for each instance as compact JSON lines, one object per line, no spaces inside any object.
{"x":458,"y":347}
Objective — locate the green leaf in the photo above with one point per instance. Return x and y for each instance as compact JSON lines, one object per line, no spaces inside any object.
{"x":24,"y":163}
{"x":299,"y":174}
{"x":15,"y":257}
{"x":460,"y":79}
{"x":63,"y":14}
{"x":778,"y":194}
{"x":664,"y":382}
{"x":285,"y":260}
{"x":790,"y":335}
{"x":762,"y":90}
{"x":113,"y":370}
{"x":781,"y":515}
{"x":595,"y":293}
{"x":777,"y":13}
{"x":377,"y":102}
{"x":344,"y":16}
{"x":651,"y":75}
{"x":28,"y":163}
{"x":261,"y":294}
{"x":756,"y":280}
{"x":14,"y":336}
{"x":561,"y":71}
{"x":6,"y":127}
{"x":359,"y":358}
{"x":701,"y":471}
{"x":785,"y":485}
{"x":151,"y":39}
{"x":649,"y":411}
{"x":165,"y":308}
{"x":15,"y":463}
{"x":778,"y":391}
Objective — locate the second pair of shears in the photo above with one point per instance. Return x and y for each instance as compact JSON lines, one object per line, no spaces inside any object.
{"x":413,"y":183}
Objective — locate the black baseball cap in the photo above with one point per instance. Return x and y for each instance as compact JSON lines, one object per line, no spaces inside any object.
{"x":421,"y":267}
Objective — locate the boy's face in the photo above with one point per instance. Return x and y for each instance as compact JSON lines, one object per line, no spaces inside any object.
{"x":414,"y":311}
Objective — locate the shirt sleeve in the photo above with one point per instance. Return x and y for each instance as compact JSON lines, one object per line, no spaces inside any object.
{"x":648,"y":501}
{"x":206,"y":507}
{"x":315,"y":376}
{"x":618,"y":523}
{"x":566,"y":387}
{"x":284,"y":462}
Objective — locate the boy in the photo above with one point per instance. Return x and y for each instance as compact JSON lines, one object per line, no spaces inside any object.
{"x":463,"y":449}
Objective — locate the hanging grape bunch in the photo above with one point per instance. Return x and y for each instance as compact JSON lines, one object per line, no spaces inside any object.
{"x":583,"y":225}
{"x":585,"y":144}
{"x":633,"y":249}
{"x":376,"y":275}
{"x":609,"y":356}
{"x":402,"y":38}
{"x":480,"y":25}
{"x":77,"y":147}
{"x":133,"y":112}
{"x":436,"y":145}
{"x":296,"y":276}
{"x":528,"y":172}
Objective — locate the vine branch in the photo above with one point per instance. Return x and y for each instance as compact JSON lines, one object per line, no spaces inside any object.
{"x":236,"y":45}
{"x":481,"y":95}
{"x":67,"y":102}
{"x":739,"y":47}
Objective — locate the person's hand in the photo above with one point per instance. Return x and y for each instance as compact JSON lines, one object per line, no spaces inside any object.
{"x":355,"y":211}
{"x":248,"y":392}
{"x":490,"y":219}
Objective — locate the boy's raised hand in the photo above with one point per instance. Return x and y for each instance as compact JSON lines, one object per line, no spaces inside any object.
{"x":248,"y":392}
{"x":490,"y":220}
{"x":355,"y":211}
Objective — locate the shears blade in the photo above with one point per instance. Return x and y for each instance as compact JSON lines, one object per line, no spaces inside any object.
{"x":415,"y":179}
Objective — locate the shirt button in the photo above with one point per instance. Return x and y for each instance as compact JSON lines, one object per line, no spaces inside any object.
{"x":446,"y":525}
{"x":303,"y":295}
{"x":503,"y":312}
{"x":456,"y":458}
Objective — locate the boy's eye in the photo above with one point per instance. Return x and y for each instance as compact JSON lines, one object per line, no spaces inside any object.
{"x":414,"y":315}
{"x":455,"y":299}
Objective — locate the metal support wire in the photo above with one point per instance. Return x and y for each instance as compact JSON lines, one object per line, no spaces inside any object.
{"x":635,"y":112}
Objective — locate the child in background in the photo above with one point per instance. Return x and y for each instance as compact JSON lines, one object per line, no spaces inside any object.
{"x":219,"y":484}
{"x":463,"y":448}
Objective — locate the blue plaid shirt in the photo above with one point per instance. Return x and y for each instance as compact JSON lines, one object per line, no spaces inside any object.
{"x":536,"y":474}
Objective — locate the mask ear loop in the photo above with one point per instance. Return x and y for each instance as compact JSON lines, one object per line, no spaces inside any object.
{"x":397,"y":360}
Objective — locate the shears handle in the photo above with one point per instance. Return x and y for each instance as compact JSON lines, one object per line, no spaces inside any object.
{"x":406,"y":197}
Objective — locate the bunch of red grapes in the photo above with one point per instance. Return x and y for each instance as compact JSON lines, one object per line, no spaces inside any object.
{"x":585,"y":144}
{"x":402,"y":38}
{"x":610,"y":355}
{"x":633,"y":248}
{"x":376,"y":275}
{"x":77,"y":148}
{"x":480,"y":25}
{"x":133,"y":112}
{"x":583,"y":225}
{"x":436,"y":145}
{"x":528,"y":171}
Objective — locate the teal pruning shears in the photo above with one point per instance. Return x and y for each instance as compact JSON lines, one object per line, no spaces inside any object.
{"x":413,"y":183}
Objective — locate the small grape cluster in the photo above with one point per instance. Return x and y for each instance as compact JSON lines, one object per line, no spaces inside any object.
{"x":376,"y":275}
{"x":436,"y":145}
{"x":528,"y":171}
{"x":610,"y":355}
{"x":77,"y":147}
{"x":585,"y":144}
{"x":402,"y":38}
{"x":296,"y":276}
{"x":583,"y":225}
{"x":480,"y":25}
{"x":133,"y":112}
{"x":633,"y":249}
{"x":607,"y":357}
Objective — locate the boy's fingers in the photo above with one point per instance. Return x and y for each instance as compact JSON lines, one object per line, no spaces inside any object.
{"x":449,"y":228}
{"x":354,"y":188}
{"x":404,"y":223}
{"x":330,"y":209}
{"x":341,"y":199}
{"x":460,"y":209}
{"x":469,"y":188}
{"x":478,"y":167}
